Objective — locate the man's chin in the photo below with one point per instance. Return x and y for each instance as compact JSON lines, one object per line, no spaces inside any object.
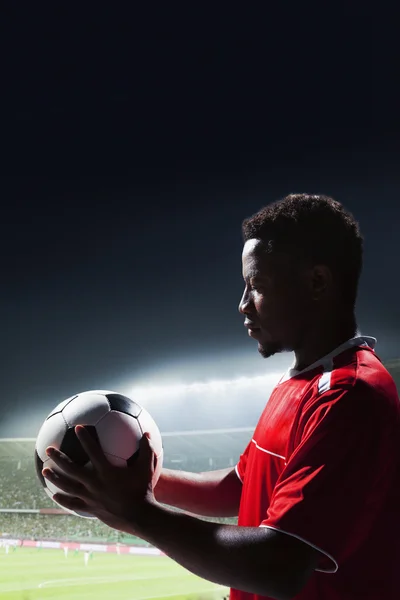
{"x":267,"y":350}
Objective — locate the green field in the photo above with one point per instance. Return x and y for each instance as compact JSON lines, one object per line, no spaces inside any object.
{"x":32,"y":574}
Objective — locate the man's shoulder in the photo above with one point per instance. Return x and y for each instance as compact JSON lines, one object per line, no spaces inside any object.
{"x":356,"y":382}
{"x":362,"y":373}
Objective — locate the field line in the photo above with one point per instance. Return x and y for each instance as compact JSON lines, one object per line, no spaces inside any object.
{"x":181,"y":593}
{"x":106,"y":579}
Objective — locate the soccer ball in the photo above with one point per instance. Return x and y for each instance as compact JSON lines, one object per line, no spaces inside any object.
{"x":117,"y":422}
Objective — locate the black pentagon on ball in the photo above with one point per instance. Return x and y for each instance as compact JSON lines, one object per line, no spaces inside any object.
{"x":132,"y":459}
{"x":39,"y":468}
{"x":72,"y":447}
{"x":123,"y":404}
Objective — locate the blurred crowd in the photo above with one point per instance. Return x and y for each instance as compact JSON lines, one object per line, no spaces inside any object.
{"x":63,"y":528}
{"x":20,"y":489}
{"x":54,"y":527}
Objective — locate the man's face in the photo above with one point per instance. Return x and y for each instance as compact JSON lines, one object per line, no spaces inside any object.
{"x":276,"y":302}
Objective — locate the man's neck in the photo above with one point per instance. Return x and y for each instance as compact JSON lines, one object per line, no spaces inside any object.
{"x":322,"y":341}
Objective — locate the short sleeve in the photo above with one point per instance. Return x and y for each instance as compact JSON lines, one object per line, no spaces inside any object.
{"x":242,"y":462}
{"x":337,"y":479}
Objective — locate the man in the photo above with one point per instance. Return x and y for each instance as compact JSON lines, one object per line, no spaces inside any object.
{"x":317,"y":488}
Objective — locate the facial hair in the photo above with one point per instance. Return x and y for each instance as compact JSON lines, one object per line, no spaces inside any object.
{"x":269,"y":349}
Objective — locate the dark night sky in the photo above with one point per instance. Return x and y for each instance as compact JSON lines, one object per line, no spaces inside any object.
{"x":134,"y":148}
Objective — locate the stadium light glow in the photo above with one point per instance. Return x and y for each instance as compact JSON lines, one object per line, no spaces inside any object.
{"x":149,"y":392}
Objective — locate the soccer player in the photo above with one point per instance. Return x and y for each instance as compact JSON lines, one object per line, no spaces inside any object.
{"x":317,"y":490}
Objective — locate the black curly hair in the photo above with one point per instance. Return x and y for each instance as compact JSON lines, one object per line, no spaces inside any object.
{"x":316,"y":229}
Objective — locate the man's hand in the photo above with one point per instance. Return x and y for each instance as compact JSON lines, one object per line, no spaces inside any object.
{"x":253,"y":559}
{"x":115,"y":495}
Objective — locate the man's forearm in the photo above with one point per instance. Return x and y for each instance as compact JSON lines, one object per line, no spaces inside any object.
{"x":225,"y":554}
{"x":212,"y":494}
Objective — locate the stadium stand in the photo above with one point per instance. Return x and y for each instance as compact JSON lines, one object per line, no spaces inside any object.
{"x":20,"y":489}
{"x":196,"y":451}
{"x":193,"y":451}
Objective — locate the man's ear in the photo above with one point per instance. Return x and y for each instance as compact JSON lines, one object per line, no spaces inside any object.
{"x":320,"y":281}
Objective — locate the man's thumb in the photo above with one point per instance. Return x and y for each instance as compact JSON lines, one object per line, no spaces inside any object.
{"x":145,"y":446}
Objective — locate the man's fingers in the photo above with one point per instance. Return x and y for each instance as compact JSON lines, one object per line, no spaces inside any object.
{"x":155,"y":461}
{"x":147,"y":456}
{"x":92,"y":448}
{"x":65,"y":483}
{"x":67,"y":466}
{"x":145,"y":447}
{"x":73,"y":503}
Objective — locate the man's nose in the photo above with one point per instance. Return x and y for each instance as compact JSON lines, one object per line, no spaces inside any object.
{"x":244,"y":303}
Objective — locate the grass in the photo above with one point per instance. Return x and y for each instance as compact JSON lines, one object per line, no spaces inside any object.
{"x":33,"y":574}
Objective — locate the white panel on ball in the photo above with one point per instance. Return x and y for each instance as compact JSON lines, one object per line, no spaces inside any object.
{"x":115,"y":460}
{"x":61,"y":405}
{"x":87,"y":409}
{"x":51,"y":434}
{"x":119,"y":434}
{"x":148,"y":425}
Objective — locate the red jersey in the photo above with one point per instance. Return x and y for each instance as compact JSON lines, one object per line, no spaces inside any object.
{"x":324,"y":466}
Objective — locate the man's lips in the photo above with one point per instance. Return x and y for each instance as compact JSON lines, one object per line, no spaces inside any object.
{"x":251,"y":326}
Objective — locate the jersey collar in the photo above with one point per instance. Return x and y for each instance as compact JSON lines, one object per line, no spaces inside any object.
{"x":326,"y":361}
